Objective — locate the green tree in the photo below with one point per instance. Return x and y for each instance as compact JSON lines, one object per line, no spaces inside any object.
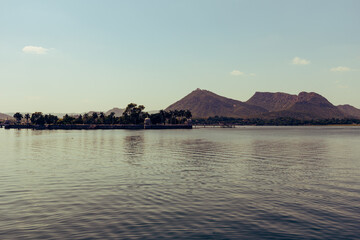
{"x":133,"y":114}
{"x":94,"y":117}
{"x":111,"y":119}
{"x":162,"y":116}
{"x":188,"y":114}
{"x":172,"y":116}
{"x":37,"y":118}
{"x":86,"y":118}
{"x":102,"y":117}
{"x":51,"y":119}
{"x":18,"y":116}
{"x":68,"y":119}
{"x":168,"y":116}
{"x":156,"y":118}
{"x":79,"y":120}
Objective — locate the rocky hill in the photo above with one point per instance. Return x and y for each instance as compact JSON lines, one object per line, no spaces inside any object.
{"x":204,"y":104}
{"x":5,"y":116}
{"x":315,"y":106}
{"x":303,"y":106}
{"x":118,"y":111}
{"x":349,"y":110}
{"x":272,"y":101}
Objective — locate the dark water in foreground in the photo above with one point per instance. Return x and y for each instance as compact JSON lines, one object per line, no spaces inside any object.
{"x":246,"y":183}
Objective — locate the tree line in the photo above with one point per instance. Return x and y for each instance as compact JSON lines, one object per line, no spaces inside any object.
{"x":133,"y":114}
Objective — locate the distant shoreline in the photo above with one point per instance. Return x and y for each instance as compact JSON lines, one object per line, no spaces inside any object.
{"x":253,"y":125}
{"x":156,"y":127}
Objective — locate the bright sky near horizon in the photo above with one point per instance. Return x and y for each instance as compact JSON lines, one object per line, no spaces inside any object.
{"x":77,"y":56}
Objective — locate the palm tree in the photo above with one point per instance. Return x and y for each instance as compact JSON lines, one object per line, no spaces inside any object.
{"x":182,"y":113}
{"x":27,"y":117}
{"x":79,"y":120}
{"x":172,"y":116}
{"x":176,"y":115}
{"x":102,"y":117}
{"x":168,"y":116}
{"x":94,"y":116}
{"x":162,"y":116}
{"x":188,"y":114}
{"x":86,"y":118}
{"x":182,"y":116}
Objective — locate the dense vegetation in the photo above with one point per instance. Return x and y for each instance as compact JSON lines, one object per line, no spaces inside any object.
{"x":273,"y":122}
{"x":133,"y":114}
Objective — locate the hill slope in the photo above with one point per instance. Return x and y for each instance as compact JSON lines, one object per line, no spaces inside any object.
{"x":4,"y":116}
{"x":272,"y":101}
{"x":349,"y":111}
{"x":305,"y":105}
{"x":118,"y":111}
{"x":203,"y":104}
{"x":315,"y":106}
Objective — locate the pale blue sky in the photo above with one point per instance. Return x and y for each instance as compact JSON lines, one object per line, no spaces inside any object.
{"x":76,"y":56}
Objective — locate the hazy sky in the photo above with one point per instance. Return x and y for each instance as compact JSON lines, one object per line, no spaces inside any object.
{"x":76,"y":56}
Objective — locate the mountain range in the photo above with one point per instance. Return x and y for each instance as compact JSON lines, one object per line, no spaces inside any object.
{"x":266,"y":105}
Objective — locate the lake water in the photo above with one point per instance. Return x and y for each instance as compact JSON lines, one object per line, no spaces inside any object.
{"x":243,"y":183}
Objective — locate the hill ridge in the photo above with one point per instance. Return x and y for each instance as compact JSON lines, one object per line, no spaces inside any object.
{"x":204,"y":103}
{"x":305,"y":105}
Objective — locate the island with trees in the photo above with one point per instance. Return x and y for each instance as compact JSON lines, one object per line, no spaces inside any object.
{"x":133,"y":117}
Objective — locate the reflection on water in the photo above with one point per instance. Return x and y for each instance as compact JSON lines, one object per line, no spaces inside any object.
{"x":134,"y":147}
{"x":252,"y":183}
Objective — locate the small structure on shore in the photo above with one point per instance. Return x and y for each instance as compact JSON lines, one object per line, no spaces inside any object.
{"x":147,"y":121}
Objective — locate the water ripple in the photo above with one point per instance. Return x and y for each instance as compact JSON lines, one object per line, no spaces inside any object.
{"x":245,"y":183}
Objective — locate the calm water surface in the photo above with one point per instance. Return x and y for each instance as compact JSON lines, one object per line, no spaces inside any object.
{"x":244,"y":183}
